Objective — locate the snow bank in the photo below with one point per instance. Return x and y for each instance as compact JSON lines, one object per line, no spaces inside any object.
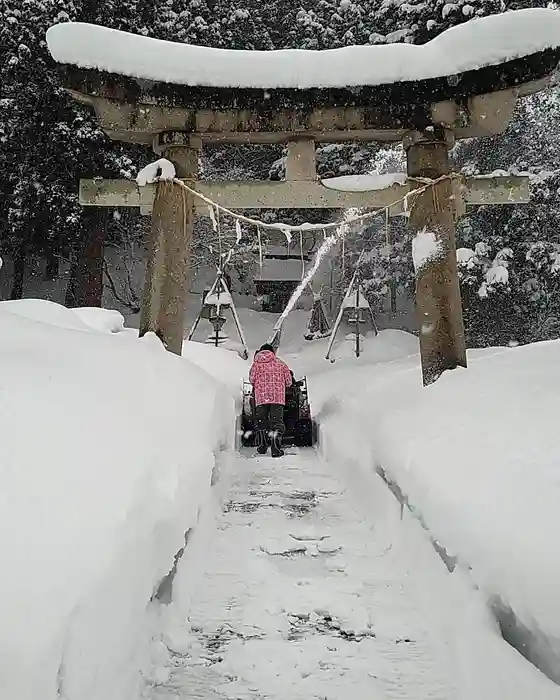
{"x":103,"y":320}
{"x":47,"y":312}
{"x":224,"y":365}
{"x":486,"y":41}
{"x":79,"y":319}
{"x":477,"y":456}
{"x":107,"y":450}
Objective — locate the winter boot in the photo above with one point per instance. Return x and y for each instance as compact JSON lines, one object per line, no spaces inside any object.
{"x":276,"y":448}
{"x":262,"y":446}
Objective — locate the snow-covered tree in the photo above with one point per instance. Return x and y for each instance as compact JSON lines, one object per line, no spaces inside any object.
{"x":46,"y":143}
{"x":523,"y":305}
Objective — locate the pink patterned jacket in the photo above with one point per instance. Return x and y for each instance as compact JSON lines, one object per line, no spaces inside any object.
{"x":269,"y":377}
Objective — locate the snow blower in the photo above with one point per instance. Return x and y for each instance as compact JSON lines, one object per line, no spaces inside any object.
{"x":301,"y":428}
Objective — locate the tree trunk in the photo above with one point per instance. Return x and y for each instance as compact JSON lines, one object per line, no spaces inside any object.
{"x":393,"y":292}
{"x":20,"y":258}
{"x":85,"y":287}
{"x":52,"y":267}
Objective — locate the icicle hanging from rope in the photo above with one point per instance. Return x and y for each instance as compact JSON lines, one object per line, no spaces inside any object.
{"x":259,"y":238}
{"x":288,"y":229}
{"x":212,"y":215}
{"x":219,"y":232}
{"x":238,"y":231}
{"x":227,"y":257}
{"x":387,"y":235}
{"x":343,"y":258}
{"x":287,"y":232}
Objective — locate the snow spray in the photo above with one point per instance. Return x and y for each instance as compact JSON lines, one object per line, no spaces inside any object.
{"x":349,"y":216}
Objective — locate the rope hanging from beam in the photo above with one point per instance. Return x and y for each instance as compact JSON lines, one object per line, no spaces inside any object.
{"x":337,"y":229}
{"x":288,"y":229}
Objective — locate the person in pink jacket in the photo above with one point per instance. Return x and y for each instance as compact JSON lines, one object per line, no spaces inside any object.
{"x":269,"y":377}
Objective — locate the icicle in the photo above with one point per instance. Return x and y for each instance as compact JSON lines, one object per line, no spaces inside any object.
{"x":343,"y":258}
{"x":301,"y":254}
{"x":238,"y":232}
{"x":219,"y":232}
{"x":212,"y":215}
{"x":406,"y":207}
{"x":288,"y":233}
{"x":387,"y":226}
{"x":260,"y":248}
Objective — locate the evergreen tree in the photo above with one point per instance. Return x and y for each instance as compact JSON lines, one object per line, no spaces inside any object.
{"x":523,"y":304}
{"x":242,"y":25}
{"x":417,"y":21}
{"x":48,"y":141}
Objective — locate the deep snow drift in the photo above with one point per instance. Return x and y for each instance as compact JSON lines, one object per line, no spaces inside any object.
{"x":476,"y":456}
{"x":108,"y":446}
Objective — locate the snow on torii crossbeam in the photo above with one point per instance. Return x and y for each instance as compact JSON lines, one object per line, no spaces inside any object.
{"x":178,"y":98}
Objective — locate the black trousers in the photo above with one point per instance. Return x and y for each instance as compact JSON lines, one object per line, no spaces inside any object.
{"x":269,"y":421}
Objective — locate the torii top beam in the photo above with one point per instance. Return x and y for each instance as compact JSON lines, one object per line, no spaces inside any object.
{"x":467,"y":80}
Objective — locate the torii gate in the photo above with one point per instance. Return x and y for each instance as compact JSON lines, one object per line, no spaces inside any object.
{"x":177,"y":119}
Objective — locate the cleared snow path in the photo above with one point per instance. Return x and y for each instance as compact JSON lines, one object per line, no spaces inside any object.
{"x":305,"y":596}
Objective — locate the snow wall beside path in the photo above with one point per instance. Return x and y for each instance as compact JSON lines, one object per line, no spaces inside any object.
{"x":107,"y":450}
{"x":476,"y":455}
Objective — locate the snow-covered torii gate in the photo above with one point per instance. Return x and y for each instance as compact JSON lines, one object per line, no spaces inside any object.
{"x":178,"y":99}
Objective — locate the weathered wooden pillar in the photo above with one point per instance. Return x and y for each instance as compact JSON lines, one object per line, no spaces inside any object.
{"x":432,"y":218}
{"x":167,"y":270}
{"x":300,"y":160}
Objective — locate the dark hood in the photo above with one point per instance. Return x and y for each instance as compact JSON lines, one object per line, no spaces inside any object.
{"x":265,"y":356}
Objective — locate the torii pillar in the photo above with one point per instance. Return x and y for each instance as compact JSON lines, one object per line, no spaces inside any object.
{"x":167,"y":265}
{"x":438,"y":296}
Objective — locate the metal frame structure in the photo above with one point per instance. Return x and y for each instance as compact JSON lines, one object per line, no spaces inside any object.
{"x":354,"y":288}
{"x":220,"y":287}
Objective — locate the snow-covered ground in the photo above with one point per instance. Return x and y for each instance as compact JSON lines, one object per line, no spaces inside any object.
{"x":302,"y":577}
{"x":299,"y":585}
{"x":233,"y":631}
{"x":107,"y":451}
